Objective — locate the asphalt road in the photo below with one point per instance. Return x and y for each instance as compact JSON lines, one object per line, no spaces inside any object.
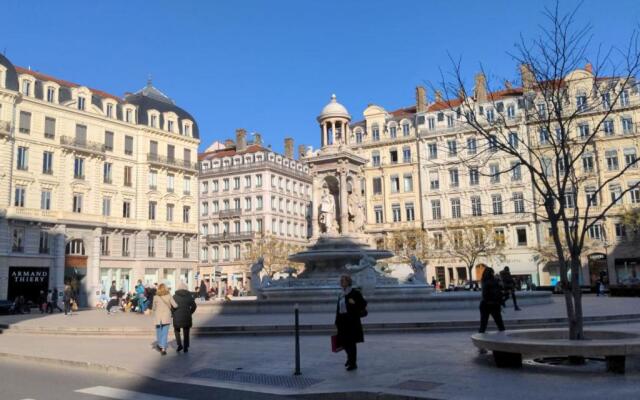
{"x":30,"y":381}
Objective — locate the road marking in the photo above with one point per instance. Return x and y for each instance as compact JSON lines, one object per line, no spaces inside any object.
{"x":121,"y":394}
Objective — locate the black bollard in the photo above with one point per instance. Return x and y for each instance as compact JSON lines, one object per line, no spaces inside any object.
{"x":297,"y":322}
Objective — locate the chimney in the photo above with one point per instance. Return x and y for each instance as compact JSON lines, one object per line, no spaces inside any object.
{"x":421,"y":99}
{"x":241,"y":139}
{"x":589,"y":68}
{"x":508,"y":85}
{"x":229,"y":144}
{"x":480,"y":89}
{"x":528,"y":79}
{"x":288,"y":147}
{"x":301,"y":151}
{"x":438,"y":96}
{"x":257,"y":139}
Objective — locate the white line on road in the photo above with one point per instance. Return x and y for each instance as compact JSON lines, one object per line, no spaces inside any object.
{"x":121,"y":394}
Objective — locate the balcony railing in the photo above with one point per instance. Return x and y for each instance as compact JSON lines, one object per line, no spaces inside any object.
{"x":255,"y":166}
{"x":234,"y":212}
{"x":171,"y":162}
{"x":82,"y":145}
{"x":230,"y":236}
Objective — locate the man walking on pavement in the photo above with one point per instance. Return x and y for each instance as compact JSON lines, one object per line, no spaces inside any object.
{"x":509,"y":285}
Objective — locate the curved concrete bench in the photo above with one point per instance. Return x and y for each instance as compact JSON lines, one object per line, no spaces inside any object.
{"x":509,"y":347}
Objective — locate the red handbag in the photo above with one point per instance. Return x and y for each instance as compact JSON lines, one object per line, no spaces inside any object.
{"x":335,"y":345}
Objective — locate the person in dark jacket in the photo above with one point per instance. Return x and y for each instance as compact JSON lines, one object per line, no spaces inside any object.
{"x":509,"y":285}
{"x":351,"y":307}
{"x":182,"y":315}
{"x":67,"y":296}
{"x":202,"y":293}
{"x":491,"y":303}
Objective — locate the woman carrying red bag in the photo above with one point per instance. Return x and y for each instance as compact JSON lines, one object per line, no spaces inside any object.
{"x":351,"y":307}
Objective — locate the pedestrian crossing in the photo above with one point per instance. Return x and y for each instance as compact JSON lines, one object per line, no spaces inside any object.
{"x":122,"y":394}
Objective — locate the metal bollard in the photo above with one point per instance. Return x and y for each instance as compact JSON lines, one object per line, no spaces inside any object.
{"x":297,"y":333}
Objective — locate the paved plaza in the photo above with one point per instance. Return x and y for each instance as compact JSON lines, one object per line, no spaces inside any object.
{"x":441,"y":365}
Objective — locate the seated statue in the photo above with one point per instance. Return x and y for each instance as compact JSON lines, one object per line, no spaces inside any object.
{"x":418,"y":268}
{"x":256,"y":268}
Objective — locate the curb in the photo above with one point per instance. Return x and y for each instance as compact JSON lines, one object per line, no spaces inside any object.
{"x":311,"y":329}
{"x":68,"y":363}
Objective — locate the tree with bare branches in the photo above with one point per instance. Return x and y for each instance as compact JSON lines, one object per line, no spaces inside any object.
{"x":275,"y":253}
{"x":571,"y":90}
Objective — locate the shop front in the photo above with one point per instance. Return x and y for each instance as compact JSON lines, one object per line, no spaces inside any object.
{"x":27,"y":282}
{"x":598,"y":268}
{"x":122,"y":276}
{"x":627,"y":271}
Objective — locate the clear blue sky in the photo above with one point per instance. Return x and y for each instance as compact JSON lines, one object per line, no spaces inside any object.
{"x":270,"y":66}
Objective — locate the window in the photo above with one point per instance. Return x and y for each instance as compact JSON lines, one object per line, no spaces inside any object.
{"x":258,"y":181}
{"x":204,"y":187}
{"x":434,"y":180}
{"x":569,"y":199}
{"x":77,"y":203}
{"x":454,"y":180}
{"x":511,"y":111}
{"x":583,"y":131}
{"x":492,"y":143}
{"x":455,"y":208}
{"x":185,"y":214}
{"x":78,"y":168}
{"x":104,"y":245}
{"x":204,"y":254}
{"x":108,"y":141}
{"x":171,"y":183}
{"x":186,"y":185}
{"x":607,"y":126}
{"x":81,"y":133}
{"x":51,"y":94}
{"x":405,"y":129}
{"x":408,"y":182}
{"x":358,"y":137}
{"x":616,"y":193}
{"x":521,"y":236}
{"x":406,"y":154}
{"x":375,"y":158}
{"x":43,"y":246}
{"x":81,"y":103}
{"x":20,"y":194}
{"x":225,"y":183}
{"x":476,"y":206}
{"x":49,"y":128}
{"x":109,"y":110}
{"x":516,"y":171}
{"x":128,"y":115}
{"x":152,"y":210}
{"x":587,"y":163}
{"x":490,"y":115}
{"x":392,"y":132}
{"x":215,"y":254}
{"x":494,"y":173}
{"x":170,"y":208}
{"x":432,"y":149}
{"x":627,"y":126}
{"x":236,"y":183}
{"x":169,"y":247}
{"x":22,"y":161}
{"x":185,"y":247}
{"x":474,"y":176}
{"x":581,"y":102}
{"x":45,"y":199}
{"x":449,"y":121}
{"x":496,"y":202}
{"x":624,"y":98}
{"x":634,"y":193}
{"x":595,"y":232}
{"x":542,"y":111}
{"x":106,"y":206}
{"x":395,"y":184}
{"x":377,"y":186}
{"x":378,"y":213}
{"x":436,"y":212}
{"x":431,"y":123}
{"x":127,"y":176}
{"x":472,"y":146}
{"x":591,"y":196}
{"x":630,"y":158}
{"x":47,"y":162}
{"x":17,"y":240}
{"x":513,"y":140}
{"x":620,"y":231}
{"x":128,"y":145}
{"x":247,"y":181}
{"x":409,"y":211}
{"x":457,"y":239}
{"x":106,"y":172}
{"x":452,"y":145}
{"x":247,"y":203}
{"x":25,"y":122}
{"x":375,"y":133}
{"x":606,"y":100}
{"x":499,"y":237}
{"x":437,"y":241}
{"x":151,"y":246}
{"x":395,"y":212}
{"x":518,"y":203}
{"x":611,"y":157}
{"x":126,"y":209}
{"x":153,"y":179}
{"x":543,"y":135}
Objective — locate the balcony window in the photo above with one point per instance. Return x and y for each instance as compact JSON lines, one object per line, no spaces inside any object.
{"x":78,"y":168}
{"x":45,"y":199}
{"x":454,"y":180}
{"x":378,"y":214}
{"x":436,"y":212}
{"x":518,"y":203}
{"x":77,"y":203}
{"x":22,"y":160}
{"x":47,"y":162}
{"x":20,"y":194}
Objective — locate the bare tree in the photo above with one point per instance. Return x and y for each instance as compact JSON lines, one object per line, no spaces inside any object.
{"x":275,"y":253}
{"x":566,"y":108}
{"x":407,"y":243}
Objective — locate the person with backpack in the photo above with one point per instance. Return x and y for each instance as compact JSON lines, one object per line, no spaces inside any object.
{"x":509,"y":285}
{"x":351,"y":307}
{"x":491,"y":303}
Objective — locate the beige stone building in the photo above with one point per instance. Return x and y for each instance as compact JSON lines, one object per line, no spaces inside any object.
{"x":93,"y":187}
{"x":249,"y":194}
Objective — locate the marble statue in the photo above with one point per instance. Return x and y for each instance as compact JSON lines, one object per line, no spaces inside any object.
{"x":356,"y":212}
{"x":327,"y":217}
{"x":418,"y":268}
{"x":256,"y":282}
{"x":364,"y":274}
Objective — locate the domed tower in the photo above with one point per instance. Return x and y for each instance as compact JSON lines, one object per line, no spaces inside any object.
{"x":334,"y":124}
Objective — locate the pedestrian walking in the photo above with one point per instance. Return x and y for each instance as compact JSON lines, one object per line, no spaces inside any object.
{"x":182,"y":319}
{"x":163,"y":303}
{"x":491,"y":303}
{"x":509,"y":285}
{"x":55,"y":298}
{"x":42,"y":302}
{"x":203,"y":291}
{"x":67,"y":297}
{"x":351,"y":307}
{"x":141,"y":299}
{"x":114,"y":297}
{"x":50,"y":302}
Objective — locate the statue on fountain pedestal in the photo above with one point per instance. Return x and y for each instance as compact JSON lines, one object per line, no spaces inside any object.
{"x":327,"y":217}
{"x":356,"y":213}
{"x":256,"y":268}
{"x":418,"y":268}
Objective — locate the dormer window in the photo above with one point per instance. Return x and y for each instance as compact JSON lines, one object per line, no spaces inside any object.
{"x":170,"y":126}
{"x":51,"y":94}
{"x":128,"y":115}
{"x":154,"y":121}
{"x":26,"y":87}
{"x":187,"y":130}
{"x":81,"y":101}
{"x":109,"y":110}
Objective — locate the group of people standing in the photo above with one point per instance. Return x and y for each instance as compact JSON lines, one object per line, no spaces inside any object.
{"x":49,"y":301}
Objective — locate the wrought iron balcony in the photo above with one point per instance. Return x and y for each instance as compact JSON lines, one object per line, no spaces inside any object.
{"x":234,"y":212}
{"x":221,"y":237}
{"x":171,"y":162}
{"x":84,"y":146}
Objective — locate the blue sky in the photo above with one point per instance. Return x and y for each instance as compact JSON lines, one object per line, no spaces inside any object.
{"x":270,"y":66}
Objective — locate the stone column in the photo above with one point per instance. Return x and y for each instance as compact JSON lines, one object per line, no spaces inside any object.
{"x":58,"y":249}
{"x":323,"y":126}
{"x":315,"y":201}
{"x":344,"y":215}
{"x":93,"y":267}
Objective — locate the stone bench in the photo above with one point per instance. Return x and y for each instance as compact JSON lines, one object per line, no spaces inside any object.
{"x":508,"y":348}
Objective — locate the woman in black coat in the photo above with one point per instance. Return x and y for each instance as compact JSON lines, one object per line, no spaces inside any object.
{"x":492,"y":298}
{"x":182,"y":315}
{"x":351,"y":307}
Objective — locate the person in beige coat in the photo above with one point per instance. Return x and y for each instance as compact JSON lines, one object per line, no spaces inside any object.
{"x":162,"y":306}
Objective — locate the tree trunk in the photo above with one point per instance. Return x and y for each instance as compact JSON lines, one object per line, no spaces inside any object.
{"x":470,"y":268}
{"x":576,"y":326}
